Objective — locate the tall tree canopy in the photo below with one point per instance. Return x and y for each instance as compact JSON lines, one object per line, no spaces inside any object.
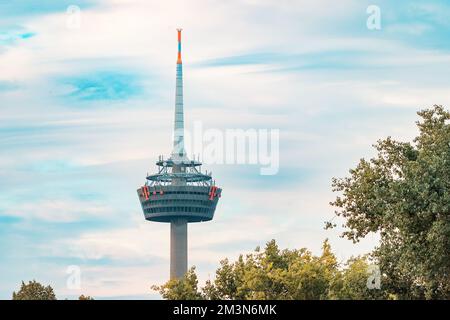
{"x":278,"y":274}
{"x":403,"y":194}
{"x":183,"y":289}
{"x":34,"y":291}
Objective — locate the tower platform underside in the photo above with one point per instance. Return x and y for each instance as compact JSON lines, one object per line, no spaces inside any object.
{"x":190,"y":202}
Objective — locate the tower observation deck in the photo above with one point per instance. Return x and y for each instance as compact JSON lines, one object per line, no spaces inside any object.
{"x":179,"y":192}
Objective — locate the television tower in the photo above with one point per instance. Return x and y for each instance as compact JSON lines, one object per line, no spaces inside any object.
{"x":179,"y":193}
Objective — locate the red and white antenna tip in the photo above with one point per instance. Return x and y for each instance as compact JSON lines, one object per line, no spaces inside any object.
{"x":179,"y":46}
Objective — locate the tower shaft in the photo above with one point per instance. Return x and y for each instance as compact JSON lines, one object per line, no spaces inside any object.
{"x":178,"y":226}
{"x":178,"y":248}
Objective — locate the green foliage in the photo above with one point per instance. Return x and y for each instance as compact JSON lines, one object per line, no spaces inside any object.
{"x":34,"y":291}
{"x":185,"y":288}
{"x":403,"y":194}
{"x":83,"y":297}
{"x":351,"y":283}
{"x":278,"y":274}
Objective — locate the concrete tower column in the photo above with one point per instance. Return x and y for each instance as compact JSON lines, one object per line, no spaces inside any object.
{"x":178,"y":248}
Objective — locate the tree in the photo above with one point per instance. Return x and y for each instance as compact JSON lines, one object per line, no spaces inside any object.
{"x":351,"y":283}
{"x":34,"y":291}
{"x":403,"y":194}
{"x":185,"y":288}
{"x":83,"y":297}
{"x":276,"y":274}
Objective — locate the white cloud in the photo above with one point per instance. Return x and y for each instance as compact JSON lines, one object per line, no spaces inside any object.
{"x":60,"y":210}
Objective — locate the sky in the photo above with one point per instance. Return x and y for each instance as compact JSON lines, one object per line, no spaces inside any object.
{"x":86,"y":108}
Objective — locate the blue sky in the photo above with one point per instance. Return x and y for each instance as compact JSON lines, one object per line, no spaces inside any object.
{"x":85,"y":112}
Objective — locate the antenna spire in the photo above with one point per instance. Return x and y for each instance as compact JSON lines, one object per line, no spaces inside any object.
{"x":178,"y":137}
{"x":179,"y":46}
